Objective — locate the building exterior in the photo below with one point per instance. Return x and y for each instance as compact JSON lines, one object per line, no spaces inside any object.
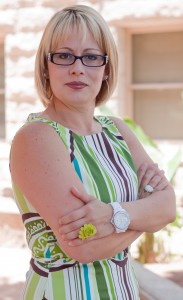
{"x":149,"y":36}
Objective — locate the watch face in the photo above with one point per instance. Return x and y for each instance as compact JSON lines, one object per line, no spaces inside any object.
{"x":121,"y":220}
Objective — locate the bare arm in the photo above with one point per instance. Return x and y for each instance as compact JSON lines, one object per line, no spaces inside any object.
{"x":149,"y":214}
{"x":155,"y":211}
{"x":41,"y":168}
{"x":36,"y":166}
{"x":106,"y":247}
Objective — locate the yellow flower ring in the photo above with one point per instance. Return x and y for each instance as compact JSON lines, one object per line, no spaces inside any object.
{"x":86,"y":231}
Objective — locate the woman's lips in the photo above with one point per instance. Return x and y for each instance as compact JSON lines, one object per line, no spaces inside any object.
{"x":76,"y":84}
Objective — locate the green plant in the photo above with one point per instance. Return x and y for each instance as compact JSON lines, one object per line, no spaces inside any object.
{"x":168,"y":164}
{"x":151,"y":246}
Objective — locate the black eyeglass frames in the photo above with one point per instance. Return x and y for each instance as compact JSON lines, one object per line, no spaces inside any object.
{"x":67,"y":59}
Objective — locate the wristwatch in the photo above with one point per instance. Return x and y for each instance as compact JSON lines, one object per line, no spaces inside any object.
{"x":120,"y":219}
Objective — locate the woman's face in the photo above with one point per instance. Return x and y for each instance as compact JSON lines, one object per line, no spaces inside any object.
{"x":76,"y":85}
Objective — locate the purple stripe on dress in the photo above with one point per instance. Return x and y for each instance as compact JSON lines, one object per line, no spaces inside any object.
{"x":104,"y":156}
{"x":53,"y":269}
{"x":48,"y":228}
{"x":71,"y":146}
{"x":125,"y":252}
{"x":120,"y":263}
{"x":29,"y":215}
{"x":119,"y":170}
{"x":101,"y":148}
{"x":100,"y":145}
{"x":37,"y":270}
{"x":32,"y":215}
{"x":119,"y":137}
{"x":62,"y":267}
{"x":125,"y":180}
{"x":127,"y":284}
{"x":113,"y":173}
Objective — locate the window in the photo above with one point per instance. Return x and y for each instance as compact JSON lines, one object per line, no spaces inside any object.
{"x":157,"y":83}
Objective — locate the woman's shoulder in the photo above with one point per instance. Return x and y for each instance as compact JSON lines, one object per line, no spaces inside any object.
{"x":110,"y":120}
{"x":39,"y":117}
{"x":115,"y":124}
{"x":122,"y":127}
{"x":30,"y":130}
{"x":118,"y":122}
{"x":36,"y":125}
{"x":36,"y":137}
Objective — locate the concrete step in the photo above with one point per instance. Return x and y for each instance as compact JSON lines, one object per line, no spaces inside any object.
{"x":156,"y":287}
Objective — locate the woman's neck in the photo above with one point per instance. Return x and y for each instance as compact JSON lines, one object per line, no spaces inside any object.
{"x":79,"y":120}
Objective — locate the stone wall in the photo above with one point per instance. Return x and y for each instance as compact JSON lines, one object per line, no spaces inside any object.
{"x":22,"y":23}
{"x":21,"y":26}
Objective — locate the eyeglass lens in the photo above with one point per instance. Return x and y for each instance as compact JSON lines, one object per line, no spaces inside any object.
{"x":66,"y":59}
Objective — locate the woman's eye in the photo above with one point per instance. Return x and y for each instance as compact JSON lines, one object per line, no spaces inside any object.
{"x":64,"y":55}
{"x":92,"y":57}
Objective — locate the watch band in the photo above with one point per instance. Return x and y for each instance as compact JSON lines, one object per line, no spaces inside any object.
{"x":116,"y":207}
{"x":120,"y":219}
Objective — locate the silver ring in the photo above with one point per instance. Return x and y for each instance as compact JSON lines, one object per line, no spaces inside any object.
{"x":148,"y":188}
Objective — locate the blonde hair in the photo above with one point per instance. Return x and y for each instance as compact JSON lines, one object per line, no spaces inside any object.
{"x":58,"y":28}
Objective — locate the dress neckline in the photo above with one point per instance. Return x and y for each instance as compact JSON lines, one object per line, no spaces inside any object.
{"x":44,"y":119}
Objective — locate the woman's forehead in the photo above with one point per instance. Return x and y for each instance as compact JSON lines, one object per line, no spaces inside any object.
{"x":76,"y":36}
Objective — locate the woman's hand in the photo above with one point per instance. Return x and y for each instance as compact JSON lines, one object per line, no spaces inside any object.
{"x":151,"y":175}
{"x":98,"y":213}
{"x":94,"y":211}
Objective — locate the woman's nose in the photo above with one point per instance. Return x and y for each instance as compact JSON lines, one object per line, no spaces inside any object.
{"x":77,"y":68}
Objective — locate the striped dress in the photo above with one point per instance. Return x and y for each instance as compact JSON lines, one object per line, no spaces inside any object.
{"x":105,"y":167}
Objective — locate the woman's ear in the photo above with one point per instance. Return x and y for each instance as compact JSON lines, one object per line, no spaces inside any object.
{"x":106,"y":73}
{"x":46,"y":74}
{"x":105,"y":77}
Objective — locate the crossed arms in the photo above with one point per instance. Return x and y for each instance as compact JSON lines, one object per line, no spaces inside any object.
{"x":41,"y":168}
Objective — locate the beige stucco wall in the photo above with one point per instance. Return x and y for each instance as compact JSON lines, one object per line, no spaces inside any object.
{"x":21,"y":26}
{"x":26,"y":20}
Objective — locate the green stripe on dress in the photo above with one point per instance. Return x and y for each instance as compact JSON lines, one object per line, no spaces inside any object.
{"x":94,"y":169}
{"x":93,"y":278}
{"x":106,"y":176}
{"x":91,"y":185}
{"x":21,"y":200}
{"x":33,"y":284}
{"x":122,"y":149}
{"x":100,"y":278}
{"x":111,"y":284}
{"x":80,"y":281}
{"x":58,"y":285}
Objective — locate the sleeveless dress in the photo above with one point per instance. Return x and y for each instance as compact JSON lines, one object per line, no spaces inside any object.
{"x":104,"y":165}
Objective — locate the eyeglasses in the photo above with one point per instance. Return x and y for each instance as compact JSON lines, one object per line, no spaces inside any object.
{"x":67,"y":59}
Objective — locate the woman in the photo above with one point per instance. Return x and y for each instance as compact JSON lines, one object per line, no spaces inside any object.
{"x":70,"y":168}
